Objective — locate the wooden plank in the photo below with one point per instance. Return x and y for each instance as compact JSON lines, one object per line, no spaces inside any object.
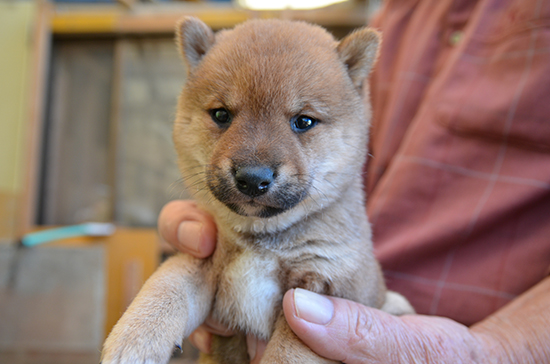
{"x":150,"y":75}
{"x":41,"y":45}
{"x":143,"y":18}
{"x":89,"y":22}
{"x":129,"y":257}
{"x":132,"y":255}
{"x":161,"y":18}
{"x":114,"y":121}
{"x":76,"y":175}
{"x":8,"y":215}
{"x":51,"y":300}
{"x":15,"y":28}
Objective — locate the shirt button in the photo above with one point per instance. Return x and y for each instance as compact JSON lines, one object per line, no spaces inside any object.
{"x":455,"y":37}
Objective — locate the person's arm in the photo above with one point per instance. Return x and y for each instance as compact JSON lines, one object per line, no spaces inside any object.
{"x":520,"y":331}
{"x":352,"y":333}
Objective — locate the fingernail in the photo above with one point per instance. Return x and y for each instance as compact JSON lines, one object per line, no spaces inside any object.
{"x":251,"y":344}
{"x":189,"y":235}
{"x":313,"y":307}
{"x":201,"y":339}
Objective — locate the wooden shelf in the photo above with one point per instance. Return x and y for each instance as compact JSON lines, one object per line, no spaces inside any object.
{"x":79,"y":19}
{"x":132,"y":255}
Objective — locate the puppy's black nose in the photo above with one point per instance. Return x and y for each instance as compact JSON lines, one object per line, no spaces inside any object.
{"x":254,"y":180}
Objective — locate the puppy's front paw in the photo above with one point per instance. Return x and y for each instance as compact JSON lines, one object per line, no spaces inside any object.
{"x":130,"y":345}
{"x":397,"y":304}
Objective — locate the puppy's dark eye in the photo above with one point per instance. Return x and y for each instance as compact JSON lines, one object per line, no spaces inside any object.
{"x":302,"y":123}
{"x":221,"y":116}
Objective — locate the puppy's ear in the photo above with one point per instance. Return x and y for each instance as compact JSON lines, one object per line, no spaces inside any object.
{"x":359,"y":51}
{"x":194,"y":39}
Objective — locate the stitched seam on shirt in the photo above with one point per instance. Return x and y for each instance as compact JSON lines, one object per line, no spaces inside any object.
{"x":449,"y":285}
{"x":527,"y":27}
{"x":480,"y":60}
{"x":474,"y":174}
{"x":442,"y":281}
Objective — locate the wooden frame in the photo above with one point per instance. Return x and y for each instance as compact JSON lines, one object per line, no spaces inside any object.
{"x":160,"y":18}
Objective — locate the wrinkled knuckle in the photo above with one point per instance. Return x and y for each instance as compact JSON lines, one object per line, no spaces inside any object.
{"x":360,"y":327}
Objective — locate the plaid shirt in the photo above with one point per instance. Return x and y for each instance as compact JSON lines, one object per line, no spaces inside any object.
{"x":459,"y":178}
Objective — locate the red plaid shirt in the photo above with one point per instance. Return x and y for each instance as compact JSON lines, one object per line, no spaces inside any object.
{"x":459,"y":179}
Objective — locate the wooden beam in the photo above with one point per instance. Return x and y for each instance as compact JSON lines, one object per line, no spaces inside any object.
{"x":161,"y":18}
{"x":132,"y":254}
{"x":41,"y":38}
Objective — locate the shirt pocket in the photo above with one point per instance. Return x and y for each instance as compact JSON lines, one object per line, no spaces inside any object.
{"x":498,"y":89}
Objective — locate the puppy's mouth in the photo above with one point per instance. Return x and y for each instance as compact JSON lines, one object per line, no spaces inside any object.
{"x":255,"y":191}
{"x":255,"y":209}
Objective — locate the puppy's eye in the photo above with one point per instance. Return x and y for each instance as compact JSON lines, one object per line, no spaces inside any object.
{"x":221,"y":116}
{"x":302,"y":123}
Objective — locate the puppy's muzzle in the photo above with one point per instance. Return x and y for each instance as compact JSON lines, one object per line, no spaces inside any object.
{"x":254,"y":181}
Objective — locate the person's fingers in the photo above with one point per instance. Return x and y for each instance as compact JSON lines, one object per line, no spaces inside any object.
{"x":201,"y":338}
{"x":346,"y":331}
{"x":217,"y":328}
{"x":187,"y":228}
{"x":256,"y":348}
{"x":338,"y":329}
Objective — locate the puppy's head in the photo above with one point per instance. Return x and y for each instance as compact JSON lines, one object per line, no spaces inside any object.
{"x":271,"y":121}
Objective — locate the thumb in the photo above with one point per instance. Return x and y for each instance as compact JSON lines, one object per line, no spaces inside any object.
{"x":343,"y":330}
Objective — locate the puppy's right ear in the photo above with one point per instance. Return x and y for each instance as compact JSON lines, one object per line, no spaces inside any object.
{"x":194,"y":39}
{"x":359,"y":51}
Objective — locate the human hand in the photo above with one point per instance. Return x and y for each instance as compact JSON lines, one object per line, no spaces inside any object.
{"x":187,"y":228}
{"x":190,"y":230}
{"x":346,"y":331}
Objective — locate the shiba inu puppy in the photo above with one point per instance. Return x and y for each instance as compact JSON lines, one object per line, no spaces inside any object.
{"x":272,"y":127}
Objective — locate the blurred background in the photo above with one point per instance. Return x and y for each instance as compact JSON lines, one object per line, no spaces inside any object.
{"x":87,"y":99}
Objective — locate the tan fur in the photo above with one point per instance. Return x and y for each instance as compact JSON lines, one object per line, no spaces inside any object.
{"x":265,"y":73}
{"x":285,"y":347}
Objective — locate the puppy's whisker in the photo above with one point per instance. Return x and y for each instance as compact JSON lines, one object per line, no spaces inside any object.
{"x":195,"y":167}
{"x":197,"y":181}
{"x":307,"y":207}
{"x":346,"y":137}
{"x":186,"y":174}
{"x":192,"y":180}
{"x":325,"y":179}
{"x":312,"y":185}
{"x":172,"y":187}
{"x":319,"y":204}
{"x":341,"y":173}
{"x":204,"y":193}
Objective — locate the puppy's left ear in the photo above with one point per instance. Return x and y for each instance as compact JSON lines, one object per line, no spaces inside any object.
{"x":194,"y":39}
{"x":359,"y":51}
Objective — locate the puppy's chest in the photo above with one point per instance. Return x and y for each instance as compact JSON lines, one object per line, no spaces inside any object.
{"x":249,"y":293}
{"x":251,"y":286}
